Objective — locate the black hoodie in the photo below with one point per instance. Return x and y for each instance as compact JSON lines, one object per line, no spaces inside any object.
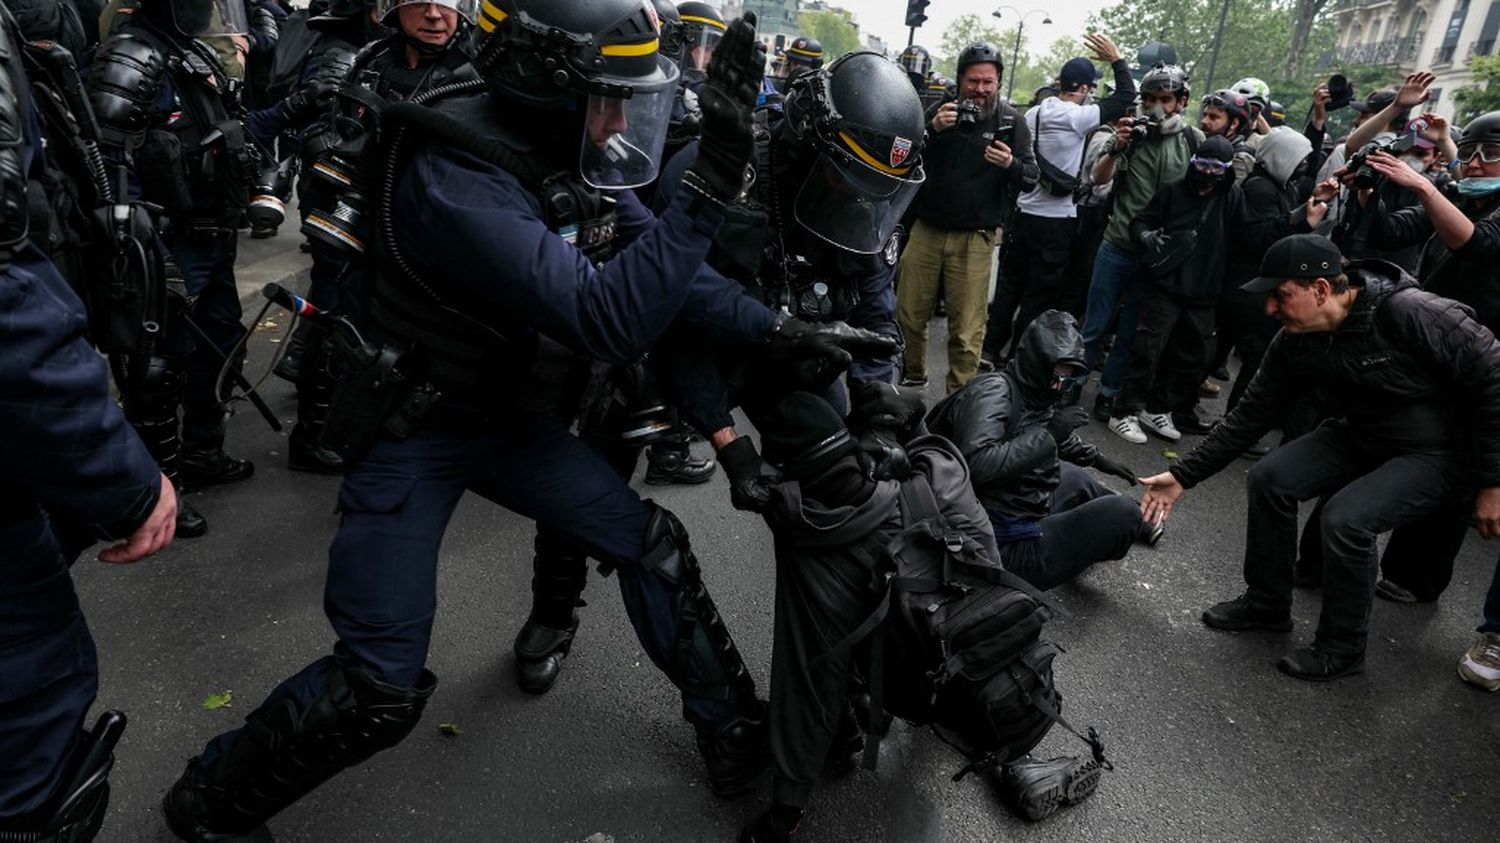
{"x":999,"y":421}
{"x":1177,"y":209}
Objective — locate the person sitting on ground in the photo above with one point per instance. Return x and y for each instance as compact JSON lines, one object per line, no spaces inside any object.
{"x":1052,"y":520}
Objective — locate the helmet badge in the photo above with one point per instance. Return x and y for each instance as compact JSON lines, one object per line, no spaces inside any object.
{"x":900,"y":149}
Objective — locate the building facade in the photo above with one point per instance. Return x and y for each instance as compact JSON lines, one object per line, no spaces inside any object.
{"x":1442,"y":36}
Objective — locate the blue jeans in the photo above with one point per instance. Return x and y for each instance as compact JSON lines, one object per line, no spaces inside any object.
{"x":1492,"y":606}
{"x":381,"y":591}
{"x":1116,"y":284}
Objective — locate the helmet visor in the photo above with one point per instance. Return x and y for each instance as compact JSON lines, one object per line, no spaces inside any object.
{"x":623,"y":138}
{"x":466,"y":8}
{"x":854,"y":205}
{"x":698,"y":45}
{"x":202,"y":18}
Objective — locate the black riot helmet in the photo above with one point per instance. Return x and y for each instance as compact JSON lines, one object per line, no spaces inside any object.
{"x":1150,"y":55}
{"x":670,"y":22}
{"x":702,"y":26}
{"x":597,"y":58}
{"x":979,"y":53}
{"x":917,"y":63}
{"x":806,"y":52}
{"x":862,"y":118}
{"x":198,"y":18}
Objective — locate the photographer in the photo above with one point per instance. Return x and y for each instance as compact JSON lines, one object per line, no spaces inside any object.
{"x":978,"y":159}
{"x":1041,"y":250}
{"x":1145,"y":153}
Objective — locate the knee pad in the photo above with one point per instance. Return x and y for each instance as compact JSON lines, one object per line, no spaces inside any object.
{"x":287,"y":749}
{"x":706,"y":663}
{"x":78,"y":810}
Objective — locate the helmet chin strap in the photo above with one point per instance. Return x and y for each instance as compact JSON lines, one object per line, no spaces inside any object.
{"x":425,"y":49}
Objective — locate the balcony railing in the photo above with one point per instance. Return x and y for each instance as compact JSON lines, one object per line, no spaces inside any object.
{"x":1485,"y":47}
{"x":1443,"y":55}
{"x":1397,"y":51}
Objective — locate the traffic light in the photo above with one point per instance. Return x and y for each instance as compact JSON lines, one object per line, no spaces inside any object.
{"x":916,"y":12}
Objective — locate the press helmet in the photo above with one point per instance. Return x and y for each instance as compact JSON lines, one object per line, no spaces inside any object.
{"x":596,"y":56}
{"x":979,"y":53}
{"x":862,"y":117}
{"x":1256,"y":91}
{"x":1166,"y":77}
{"x":1483,"y":129}
{"x":1234,"y":104}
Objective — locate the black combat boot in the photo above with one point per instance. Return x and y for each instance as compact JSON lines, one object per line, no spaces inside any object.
{"x":1320,"y":664}
{"x":207,"y":465}
{"x":671,"y":462}
{"x":1242,"y":614}
{"x":289,"y":367}
{"x":559,"y":573}
{"x":315,"y":385}
{"x":1036,"y":789}
{"x":736,"y":753}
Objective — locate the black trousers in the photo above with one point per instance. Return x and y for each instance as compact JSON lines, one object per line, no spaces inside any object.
{"x":1167,"y":360}
{"x":1089,"y":524}
{"x":1244,"y":325}
{"x":1370,"y":489}
{"x":1034,"y":276}
{"x":1419,"y":556}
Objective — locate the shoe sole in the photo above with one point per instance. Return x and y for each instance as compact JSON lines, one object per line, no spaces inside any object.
{"x":679,"y":481}
{"x":1321,"y":677}
{"x":1154,"y":432}
{"x":1248,"y":626}
{"x":1468,"y":674}
{"x":1076,"y":787}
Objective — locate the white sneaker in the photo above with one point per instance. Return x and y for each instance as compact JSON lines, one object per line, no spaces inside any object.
{"x":1481,"y":665}
{"x":1161,"y":425}
{"x":1129,"y":429}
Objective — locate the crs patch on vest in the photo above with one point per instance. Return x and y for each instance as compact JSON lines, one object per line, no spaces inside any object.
{"x":590,"y":234}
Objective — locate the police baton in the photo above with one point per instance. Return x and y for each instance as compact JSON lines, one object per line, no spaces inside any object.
{"x":235,"y":375}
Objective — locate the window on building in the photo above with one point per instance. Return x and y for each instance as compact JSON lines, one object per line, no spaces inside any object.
{"x":1450,"y":34}
{"x":1486,"y":43}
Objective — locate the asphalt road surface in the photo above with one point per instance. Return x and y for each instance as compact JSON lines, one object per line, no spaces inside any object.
{"x":1208,"y":740}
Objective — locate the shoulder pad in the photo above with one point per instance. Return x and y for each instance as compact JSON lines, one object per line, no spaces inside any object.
{"x":334,"y":64}
{"x":122,"y":87}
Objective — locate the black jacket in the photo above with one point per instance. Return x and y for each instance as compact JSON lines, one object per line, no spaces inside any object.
{"x":1207,"y":221}
{"x":999,"y":422}
{"x":1470,"y":275}
{"x":1266,"y":219}
{"x":964,"y":192}
{"x":1410,"y":372}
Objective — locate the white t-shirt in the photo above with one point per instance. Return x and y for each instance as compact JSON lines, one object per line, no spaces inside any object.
{"x":1059,"y":127}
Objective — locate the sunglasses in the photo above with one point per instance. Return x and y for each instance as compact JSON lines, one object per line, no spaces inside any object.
{"x":1210,"y":165}
{"x":1489,"y":153}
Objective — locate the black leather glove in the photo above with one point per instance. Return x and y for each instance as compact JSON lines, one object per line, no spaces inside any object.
{"x":750,"y":477}
{"x":880,"y":457}
{"x":1065,"y":420}
{"x":308,"y":101}
{"x":727,"y":103}
{"x":1109,"y":466}
{"x":836,"y":341}
{"x":264,"y":29}
{"x":881,"y":405}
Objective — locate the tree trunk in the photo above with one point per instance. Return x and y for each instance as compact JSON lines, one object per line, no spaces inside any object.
{"x":1302,"y":24}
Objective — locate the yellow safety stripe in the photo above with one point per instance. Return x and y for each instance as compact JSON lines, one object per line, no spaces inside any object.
{"x":801,"y":52}
{"x":645,"y":48}
{"x":716,"y":24}
{"x":490,"y":16}
{"x":870,"y":159}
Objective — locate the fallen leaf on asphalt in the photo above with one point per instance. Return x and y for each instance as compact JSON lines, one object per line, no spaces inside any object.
{"x":450,"y":729}
{"x":217,"y":701}
{"x":1169,"y":454}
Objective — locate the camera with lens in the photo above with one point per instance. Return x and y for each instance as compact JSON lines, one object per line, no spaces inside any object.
{"x":269,"y":197}
{"x":968,"y":117}
{"x":1141,"y":127}
{"x":1340,"y":92}
{"x":1365,"y":176}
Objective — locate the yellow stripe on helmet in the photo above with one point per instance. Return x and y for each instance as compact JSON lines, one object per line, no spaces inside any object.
{"x":866,"y":157}
{"x":490,"y":16}
{"x":801,"y":52}
{"x":716,"y":24}
{"x":645,"y":48}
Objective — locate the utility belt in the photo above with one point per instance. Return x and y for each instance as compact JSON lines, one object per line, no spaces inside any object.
{"x":192,"y":173}
{"x":381,"y":389}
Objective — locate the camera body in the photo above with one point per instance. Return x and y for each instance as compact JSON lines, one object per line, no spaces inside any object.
{"x":1365,"y":176}
{"x":968,"y":117}
{"x":1141,"y":127}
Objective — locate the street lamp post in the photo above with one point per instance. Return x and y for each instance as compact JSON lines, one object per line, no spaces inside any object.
{"x":1015,"y":53}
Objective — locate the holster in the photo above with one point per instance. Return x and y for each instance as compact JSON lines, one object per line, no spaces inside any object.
{"x":126,"y":287}
{"x":380,"y":389}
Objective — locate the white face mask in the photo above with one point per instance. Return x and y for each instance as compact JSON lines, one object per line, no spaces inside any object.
{"x":1156,"y":111}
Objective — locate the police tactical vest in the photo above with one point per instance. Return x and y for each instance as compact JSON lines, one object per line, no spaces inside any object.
{"x":469,"y":357}
{"x":15,"y":211}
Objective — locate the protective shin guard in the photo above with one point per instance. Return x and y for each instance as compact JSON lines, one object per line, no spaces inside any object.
{"x":79,"y":810}
{"x":151,"y":408}
{"x":315,"y":383}
{"x":559,"y":574}
{"x":286,"y":751}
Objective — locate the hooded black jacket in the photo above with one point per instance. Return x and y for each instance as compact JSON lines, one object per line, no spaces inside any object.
{"x":1470,"y":274}
{"x":1409,"y":371}
{"x":1178,"y":208}
{"x":1267,"y":217}
{"x":999,"y":421}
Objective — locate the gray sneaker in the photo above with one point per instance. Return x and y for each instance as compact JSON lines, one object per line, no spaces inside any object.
{"x":1481,"y":665}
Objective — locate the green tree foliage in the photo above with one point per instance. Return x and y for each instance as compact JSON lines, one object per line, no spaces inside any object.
{"x":1482,"y":93}
{"x":835,"y":30}
{"x":971,"y":29}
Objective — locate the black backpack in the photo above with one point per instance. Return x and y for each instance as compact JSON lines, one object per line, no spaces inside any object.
{"x":957,"y":644}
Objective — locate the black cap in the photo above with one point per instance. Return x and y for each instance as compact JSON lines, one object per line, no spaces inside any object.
{"x":804,"y":436}
{"x":1079,"y":71}
{"x":1376,"y":101}
{"x":1297,"y":256}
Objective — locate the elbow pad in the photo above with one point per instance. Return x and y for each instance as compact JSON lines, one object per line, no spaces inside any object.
{"x":122,"y":88}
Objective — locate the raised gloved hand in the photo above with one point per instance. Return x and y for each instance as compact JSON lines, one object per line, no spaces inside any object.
{"x":1066,"y":420}
{"x":309,"y":101}
{"x":837,"y":341}
{"x":750,"y":477}
{"x":881,"y":405}
{"x":1109,"y":466}
{"x":727,"y":103}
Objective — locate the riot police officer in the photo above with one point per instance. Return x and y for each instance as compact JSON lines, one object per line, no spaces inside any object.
{"x":803,"y":55}
{"x":71,"y":472}
{"x":426,"y":49}
{"x":698,"y":34}
{"x":508,"y":250}
{"x":169,"y":113}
